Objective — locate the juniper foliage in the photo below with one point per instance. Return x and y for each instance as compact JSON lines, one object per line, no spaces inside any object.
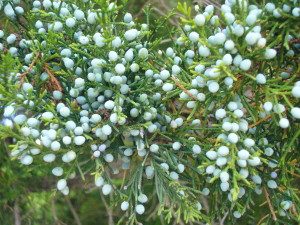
{"x":213,"y":117}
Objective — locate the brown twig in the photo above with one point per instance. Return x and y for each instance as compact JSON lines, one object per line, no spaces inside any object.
{"x":163,"y":13}
{"x":73,"y":211}
{"x":294,"y":210}
{"x":53,"y":209}
{"x":108,"y":210}
{"x":262,"y":219}
{"x":53,"y":79}
{"x":142,"y":8}
{"x":294,"y":174}
{"x":208,"y":2}
{"x":54,"y":213}
{"x":23,"y":75}
{"x":17,"y":214}
{"x":262,"y":204}
{"x":205,"y":204}
{"x":178,"y":84}
{"x":296,"y":40}
{"x":222,"y":221}
{"x":270,"y":204}
{"x":260,"y":121}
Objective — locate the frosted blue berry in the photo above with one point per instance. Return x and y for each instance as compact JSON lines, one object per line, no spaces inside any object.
{"x":223,"y":151}
{"x":130,"y":35}
{"x":227,"y":59}
{"x":194,"y":36}
{"x":204,"y":51}
{"x":55,"y":146}
{"x":61,"y":184}
{"x":284,"y":123}
{"x":238,"y":30}
{"x":143,"y":53}
{"x":149,"y":172}
{"x":176,"y":146}
{"x":120,"y":68}
{"x":27,"y":87}
{"x":196,"y":149}
{"x":245,"y":64}
{"x":79,"y":14}
{"x":237,"y":214}
{"x":154,"y":148}
{"x":270,"y":53}
{"x":69,"y":63}
{"x":49,"y":157}
{"x":99,"y":181}
{"x":65,"y":111}
{"x":142,"y":198}
{"x":296,"y":91}
{"x":181,"y":168}
{"x":168,"y":87}
{"x":251,"y":19}
{"x":243,"y":154}
{"x":296,"y":11}
{"x":272,"y":184}
{"x":57,"y":171}
{"x":8,"y":111}
{"x":224,"y":176}
{"x":220,"y":38}
{"x":107,"y":130}
{"x":26,"y":160}
{"x":20,"y":119}
{"x":212,"y":155}
{"x":79,"y":140}
{"x":199,"y":20}
{"x":109,"y":158}
{"x":127,"y":18}
{"x":233,"y":138}
{"x":70,"y":22}
{"x":261,"y":78}
{"x":113,"y":56}
{"x":295,"y":111}
{"x":213,"y":87}
{"x":174,"y":175}
{"x":270,"y":7}
{"x":11,"y":39}
{"x":124,"y":206}
{"x":140,"y":209}
{"x":221,"y":161}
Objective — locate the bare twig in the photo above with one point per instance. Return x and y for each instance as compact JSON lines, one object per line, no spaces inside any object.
{"x":142,"y":8}
{"x":164,"y":5}
{"x":162,"y":13}
{"x":208,"y":2}
{"x":296,"y":40}
{"x":262,"y":204}
{"x":262,"y":219}
{"x":17,"y":214}
{"x":260,"y":121}
{"x":270,"y":204}
{"x":205,"y":204}
{"x":222,"y":221}
{"x":73,"y":211}
{"x":23,"y":75}
{"x":166,"y":41}
{"x":108,"y":210}
{"x":178,"y":84}
{"x":53,"y":79}
{"x":54,"y":213}
{"x":53,"y":209}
